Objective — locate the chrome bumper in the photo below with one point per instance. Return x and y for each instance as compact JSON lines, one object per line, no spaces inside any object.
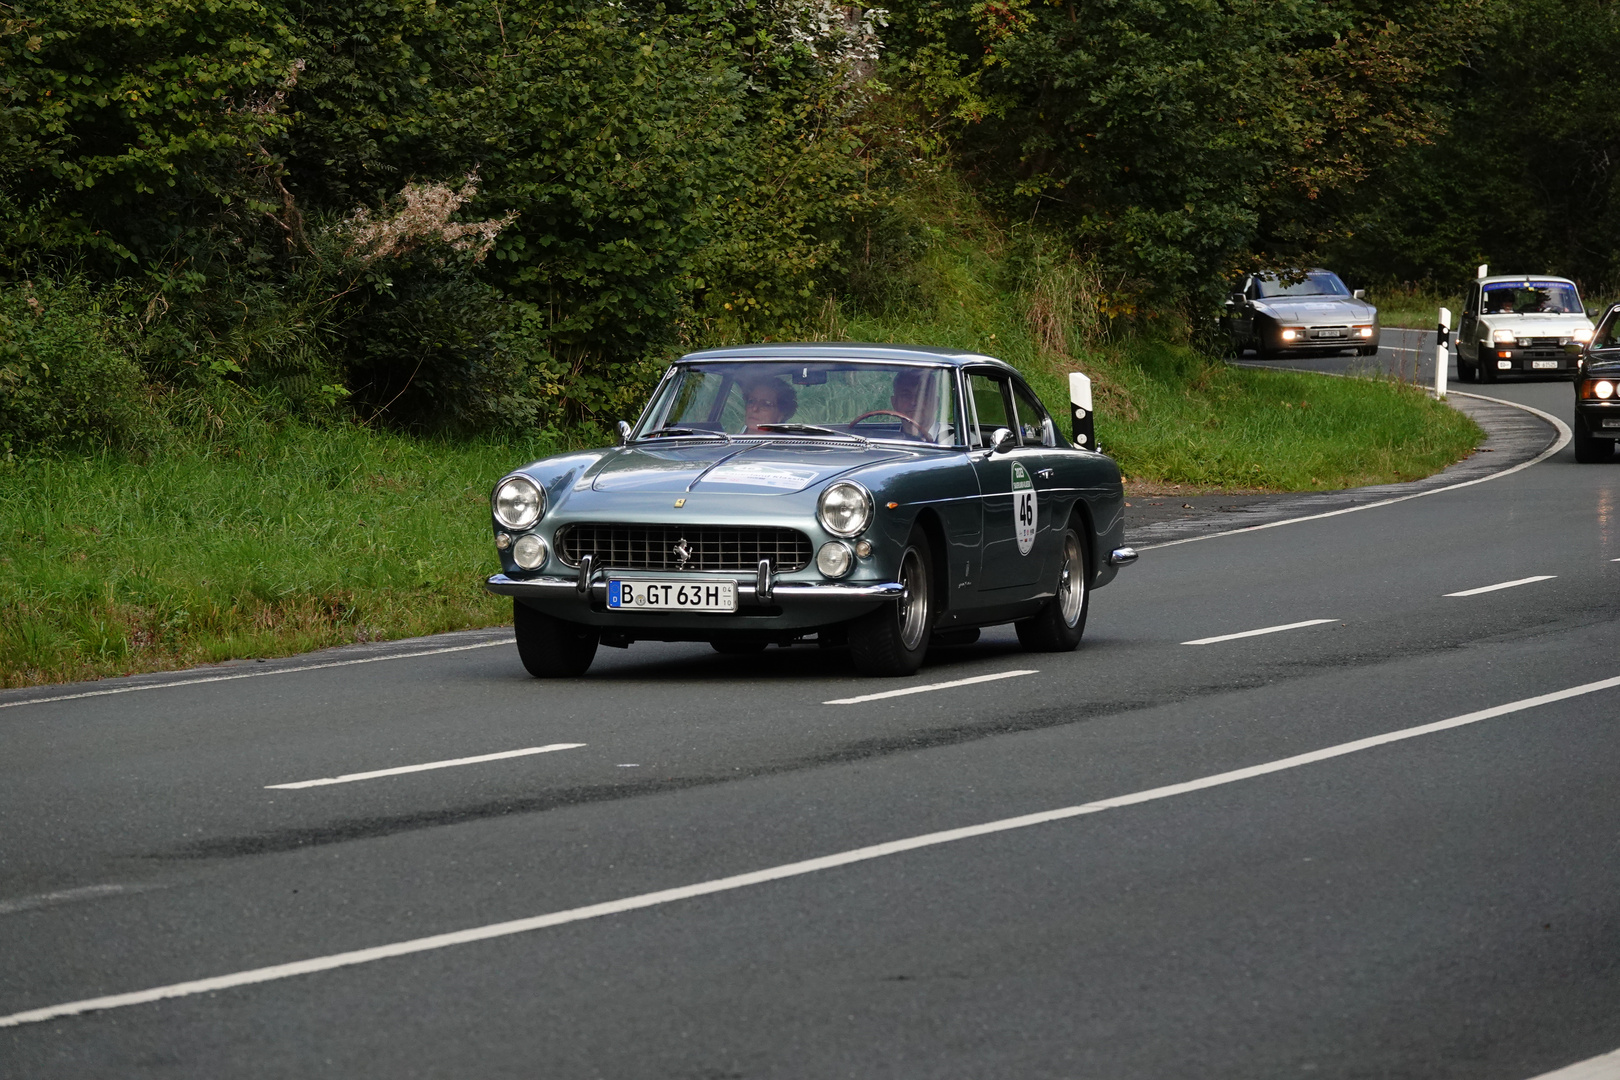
{"x":747,"y":591}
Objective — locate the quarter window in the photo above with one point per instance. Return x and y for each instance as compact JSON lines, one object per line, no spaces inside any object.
{"x":1034,"y":426}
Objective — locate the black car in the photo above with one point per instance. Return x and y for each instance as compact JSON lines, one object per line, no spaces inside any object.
{"x":1597,"y":392}
{"x":1283,"y":314}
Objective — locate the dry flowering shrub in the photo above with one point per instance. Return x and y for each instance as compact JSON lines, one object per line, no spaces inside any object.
{"x":425,"y":218}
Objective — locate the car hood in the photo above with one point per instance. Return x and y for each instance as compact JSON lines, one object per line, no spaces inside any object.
{"x":1307,"y":309}
{"x":769,"y":468}
{"x":1536,"y":322}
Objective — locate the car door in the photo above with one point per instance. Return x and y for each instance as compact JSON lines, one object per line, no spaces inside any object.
{"x":1037,"y":435}
{"x":1468,"y":330}
{"x":1008,"y":565}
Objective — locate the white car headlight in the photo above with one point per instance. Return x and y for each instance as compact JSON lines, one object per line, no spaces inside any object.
{"x":834,"y":559}
{"x":1604,"y":389}
{"x":518,"y":502}
{"x":1290,"y":335}
{"x":529,"y":552}
{"x":844,"y":509}
{"x":1504,"y":337}
{"x":1582,"y":334}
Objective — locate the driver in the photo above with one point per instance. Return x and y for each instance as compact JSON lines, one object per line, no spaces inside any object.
{"x":767,"y":401}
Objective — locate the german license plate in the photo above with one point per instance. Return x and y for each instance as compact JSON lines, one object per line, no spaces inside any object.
{"x":650,"y":595}
{"x":1543,"y":363}
{"x":1330,"y":333}
{"x":1614,"y":422}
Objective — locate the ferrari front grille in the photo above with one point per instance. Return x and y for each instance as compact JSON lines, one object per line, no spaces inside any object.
{"x":683,"y":547}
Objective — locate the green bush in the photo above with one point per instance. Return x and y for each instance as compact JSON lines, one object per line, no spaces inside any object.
{"x":64,"y":380}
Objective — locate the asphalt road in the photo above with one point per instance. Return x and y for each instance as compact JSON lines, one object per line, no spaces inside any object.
{"x":1443,"y":901}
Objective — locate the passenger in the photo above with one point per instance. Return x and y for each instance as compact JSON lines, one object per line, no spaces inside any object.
{"x":905,"y":399}
{"x":768,"y":401}
{"x":1503,"y":301}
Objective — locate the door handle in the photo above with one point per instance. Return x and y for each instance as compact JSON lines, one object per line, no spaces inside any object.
{"x":1044,"y":474}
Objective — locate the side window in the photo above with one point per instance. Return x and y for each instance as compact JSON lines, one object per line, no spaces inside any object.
{"x":989,"y":394}
{"x":1251,"y":288}
{"x":1472,"y":307}
{"x":1034,"y":427}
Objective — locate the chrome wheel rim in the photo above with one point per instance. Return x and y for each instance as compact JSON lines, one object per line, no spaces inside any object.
{"x":1071,"y":581}
{"x":913,"y":609}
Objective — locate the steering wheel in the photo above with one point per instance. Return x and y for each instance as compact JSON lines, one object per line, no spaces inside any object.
{"x":902,"y":417}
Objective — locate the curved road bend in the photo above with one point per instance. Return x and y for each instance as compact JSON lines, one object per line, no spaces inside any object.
{"x":1270,"y":858}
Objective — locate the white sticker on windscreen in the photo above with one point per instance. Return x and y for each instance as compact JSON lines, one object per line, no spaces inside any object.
{"x":1023,"y":490}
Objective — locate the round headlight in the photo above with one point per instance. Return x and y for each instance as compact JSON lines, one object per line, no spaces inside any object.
{"x":844,"y":509}
{"x":518,"y":502}
{"x":834,"y":559}
{"x":1604,"y":389}
{"x":529,"y":551}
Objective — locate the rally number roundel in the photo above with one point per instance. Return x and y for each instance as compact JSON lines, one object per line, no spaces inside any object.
{"x":1023,"y":491}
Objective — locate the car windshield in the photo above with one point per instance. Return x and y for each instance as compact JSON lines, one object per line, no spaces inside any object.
{"x":1530,"y":297}
{"x":817,"y":398}
{"x":1315,"y":283}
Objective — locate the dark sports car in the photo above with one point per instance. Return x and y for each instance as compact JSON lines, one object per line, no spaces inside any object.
{"x":877,"y":496}
{"x":1597,"y":392}
{"x":1290,"y":314}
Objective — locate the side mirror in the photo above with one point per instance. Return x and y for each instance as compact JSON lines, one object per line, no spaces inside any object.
{"x":624,"y":432}
{"x":1574,"y":348}
{"x":1002,"y":440}
{"x":1236,"y":299}
{"x":1360,"y":294}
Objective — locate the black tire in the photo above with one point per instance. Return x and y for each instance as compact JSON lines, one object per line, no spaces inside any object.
{"x":1059,"y":625}
{"x":894,"y":639}
{"x":1589,"y":450}
{"x":742,"y":647}
{"x":549,"y":647}
{"x":1484,"y":370}
{"x":1464,"y":372}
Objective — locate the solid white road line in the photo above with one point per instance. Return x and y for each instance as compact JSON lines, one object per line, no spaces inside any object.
{"x":1257,"y":633}
{"x":775,"y":873}
{"x":251,"y":674}
{"x":348,"y":778}
{"x":1503,"y":585}
{"x":930,"y":686}
{"x":1604,"y":1067}
{"x":1563,"y":440}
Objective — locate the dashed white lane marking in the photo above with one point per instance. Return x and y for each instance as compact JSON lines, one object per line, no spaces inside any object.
{"x":774,"y":873}
{"x":348,"y":778}
{"x":1563,"y":440}
{"x":1503,"y":585}
{"x":930,"y":686}
{"x":1257,"y":633}
{"x":251,"y":674}
{"x":1604,"y":1067}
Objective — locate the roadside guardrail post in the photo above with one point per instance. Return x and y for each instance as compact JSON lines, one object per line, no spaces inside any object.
{"x":1441,"y":358}
{"x":1081,"y":418}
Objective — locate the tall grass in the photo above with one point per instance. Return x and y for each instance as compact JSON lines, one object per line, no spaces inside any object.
{"x":289,"y":540}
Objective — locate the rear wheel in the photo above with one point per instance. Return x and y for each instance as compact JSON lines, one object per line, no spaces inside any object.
{"x":1588,"y":448}
{"x":1059,"y":625}
{"x":549,"y":647}
{"x":894,"y":639}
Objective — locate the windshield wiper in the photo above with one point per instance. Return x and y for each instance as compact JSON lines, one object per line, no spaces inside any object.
{"x":685,"y":433}
{"x":812,"y":429}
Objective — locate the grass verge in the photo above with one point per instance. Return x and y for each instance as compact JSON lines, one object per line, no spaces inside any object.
{"x":290,"y":541}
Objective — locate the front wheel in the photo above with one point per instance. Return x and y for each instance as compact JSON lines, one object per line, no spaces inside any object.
{"x":549,"y":647}
{"x":894,"y":639}
{"x":1485,"y":369}
{"x":1059,"y":625}
{"x":1589,"y":449}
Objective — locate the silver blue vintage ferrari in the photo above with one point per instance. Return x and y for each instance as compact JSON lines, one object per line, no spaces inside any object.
{"x":876,"y":496}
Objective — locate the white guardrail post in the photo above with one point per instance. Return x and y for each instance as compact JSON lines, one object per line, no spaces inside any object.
{"x":1082,"y":420}
{"x":1442,"y":359}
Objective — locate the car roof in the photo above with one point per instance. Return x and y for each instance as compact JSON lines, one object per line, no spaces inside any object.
{"x":1497,"y":279}
{"x":845,"y":350}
